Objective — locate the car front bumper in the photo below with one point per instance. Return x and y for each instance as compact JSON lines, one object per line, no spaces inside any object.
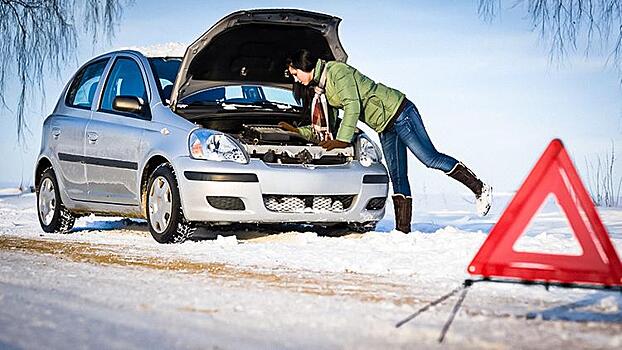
{"x":198,"y":179}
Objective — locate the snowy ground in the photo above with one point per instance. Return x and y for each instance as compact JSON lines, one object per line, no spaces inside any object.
{"x":110,"y":285}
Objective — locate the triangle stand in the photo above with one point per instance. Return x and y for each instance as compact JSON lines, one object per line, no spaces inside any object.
{"x":463,"y":289}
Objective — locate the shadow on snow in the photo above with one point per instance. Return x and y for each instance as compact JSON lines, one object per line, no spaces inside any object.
{"x":587,"y":309}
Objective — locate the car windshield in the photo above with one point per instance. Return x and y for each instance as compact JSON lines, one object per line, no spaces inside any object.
{"x":165,"y":71}
{"x":231,"y":97}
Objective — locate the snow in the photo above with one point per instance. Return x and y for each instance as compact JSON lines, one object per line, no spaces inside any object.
{"x":170,"y":49}
{"x":109,"y":284}
{"x":10,"y":192}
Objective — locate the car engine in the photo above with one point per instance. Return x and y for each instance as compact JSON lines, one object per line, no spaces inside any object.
{"x":277,"y":146}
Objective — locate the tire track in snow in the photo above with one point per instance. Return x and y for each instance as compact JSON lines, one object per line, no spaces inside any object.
{"x":365,"y":288}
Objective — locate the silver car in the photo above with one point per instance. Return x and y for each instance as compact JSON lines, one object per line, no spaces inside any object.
{"x":194,"y":141}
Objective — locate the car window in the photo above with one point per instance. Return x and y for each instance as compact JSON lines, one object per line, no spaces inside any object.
{"x":165,"y":71}
{"x":82,"y":90}
{"x":125,"y":79}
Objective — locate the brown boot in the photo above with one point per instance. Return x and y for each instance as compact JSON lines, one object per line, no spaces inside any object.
{"x":464,"y":175}
{"x":403,"y":212}
{"x":482,"y":191}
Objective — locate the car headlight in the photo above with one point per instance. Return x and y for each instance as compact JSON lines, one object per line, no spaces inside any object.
{"x":211,"y":145}
{"x":368,"y":152}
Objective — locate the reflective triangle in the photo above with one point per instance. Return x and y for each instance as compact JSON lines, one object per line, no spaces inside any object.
{"x":553,"y":174}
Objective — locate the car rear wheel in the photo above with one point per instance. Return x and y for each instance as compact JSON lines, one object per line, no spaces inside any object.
{"x":165,"y":216}
{"x":53,"y":216}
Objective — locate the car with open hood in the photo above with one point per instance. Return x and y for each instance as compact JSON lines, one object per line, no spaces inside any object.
{"x":193,"y":140}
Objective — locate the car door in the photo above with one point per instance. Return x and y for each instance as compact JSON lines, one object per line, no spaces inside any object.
{"x":68,"y":125}
{"x":113,"y":138}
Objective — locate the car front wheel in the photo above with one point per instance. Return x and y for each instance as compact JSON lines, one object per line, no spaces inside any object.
{"x":53,"y":216}
{"x":167,"y":223}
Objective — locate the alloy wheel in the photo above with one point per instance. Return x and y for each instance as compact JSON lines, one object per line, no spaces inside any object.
{"x":47,"y":201}
{"x":160,"y":204}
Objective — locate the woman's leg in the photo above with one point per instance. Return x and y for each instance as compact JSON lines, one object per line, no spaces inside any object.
{"x":410,"y":130}
{"x":395,"y":155}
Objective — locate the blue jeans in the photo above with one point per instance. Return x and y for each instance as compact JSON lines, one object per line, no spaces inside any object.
{"x":408,"y":131}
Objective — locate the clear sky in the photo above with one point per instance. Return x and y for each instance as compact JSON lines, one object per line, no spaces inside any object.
{"x":487,"y":92}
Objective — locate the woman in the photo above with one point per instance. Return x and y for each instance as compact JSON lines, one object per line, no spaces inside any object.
{"x":388,"y":112}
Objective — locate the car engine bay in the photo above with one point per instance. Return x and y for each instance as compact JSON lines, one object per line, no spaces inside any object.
{"x":274,"y":145}
{"x":264,"y":139}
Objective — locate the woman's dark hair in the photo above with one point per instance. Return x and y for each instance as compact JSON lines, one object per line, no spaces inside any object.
{"x":304,"y":60}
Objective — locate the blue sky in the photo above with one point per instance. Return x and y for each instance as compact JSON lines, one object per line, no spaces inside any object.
{"x":487,"y":92}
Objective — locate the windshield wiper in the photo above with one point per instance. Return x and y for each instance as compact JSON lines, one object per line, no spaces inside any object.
{"x":260,"y":104}
{"x":279,"y":105}
{"x":183,"y":105}
{"x":236,"y":105}
{"x":242,"y":105}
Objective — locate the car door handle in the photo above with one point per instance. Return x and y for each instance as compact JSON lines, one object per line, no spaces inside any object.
{"x":55,"y":133}
{"x":92,"y":136}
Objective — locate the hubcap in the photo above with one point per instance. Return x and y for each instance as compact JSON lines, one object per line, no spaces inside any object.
{"x":47,"y":201}
{"x":160,"y":204}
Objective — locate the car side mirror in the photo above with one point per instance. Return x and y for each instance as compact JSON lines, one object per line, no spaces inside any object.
{"x":130,"y":104}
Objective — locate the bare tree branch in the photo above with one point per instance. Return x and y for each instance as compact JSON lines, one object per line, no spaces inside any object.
{"x":41,"y":36}
{"x":488,"y":9}
{"x":567,"y":25}
{"x":603,"y":185}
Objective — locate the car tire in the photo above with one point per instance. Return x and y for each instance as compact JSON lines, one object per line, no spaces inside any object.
{"x":54,"y":217}
{"x":165,"y":216}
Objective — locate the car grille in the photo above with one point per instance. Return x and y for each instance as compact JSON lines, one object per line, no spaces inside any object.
{"x":301,"y":204}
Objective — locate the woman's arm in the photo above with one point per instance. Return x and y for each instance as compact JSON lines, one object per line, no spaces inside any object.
{"x":347,"y":91}
{"x":304,"y":131}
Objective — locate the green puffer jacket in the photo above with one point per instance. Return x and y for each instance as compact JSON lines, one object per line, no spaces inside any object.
{"x":359,"y":97}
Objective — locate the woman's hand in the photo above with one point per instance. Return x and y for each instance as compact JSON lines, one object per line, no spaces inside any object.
{"x":287,"y":126}
{"x":329,"y":145}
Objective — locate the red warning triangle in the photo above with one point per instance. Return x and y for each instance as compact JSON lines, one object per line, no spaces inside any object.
{"x":553,"y":174}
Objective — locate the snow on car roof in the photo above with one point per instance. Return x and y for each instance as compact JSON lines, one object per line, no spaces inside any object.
{"x":171,"y":49}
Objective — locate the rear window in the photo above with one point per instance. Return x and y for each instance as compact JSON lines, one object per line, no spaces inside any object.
{"x":165,"y":71}
{"x":82,"y":90}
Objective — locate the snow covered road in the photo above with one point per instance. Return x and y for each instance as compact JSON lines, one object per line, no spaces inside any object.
{"x":110,"y":285}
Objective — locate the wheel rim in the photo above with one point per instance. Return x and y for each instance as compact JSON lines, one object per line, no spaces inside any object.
{"x":160,"y":204}
{"x":47,"y":201}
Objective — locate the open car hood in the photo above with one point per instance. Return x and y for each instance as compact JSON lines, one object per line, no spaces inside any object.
{"x":251,"y":47}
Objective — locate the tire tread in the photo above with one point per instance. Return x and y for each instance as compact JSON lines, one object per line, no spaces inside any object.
{"x":65,"y":220}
